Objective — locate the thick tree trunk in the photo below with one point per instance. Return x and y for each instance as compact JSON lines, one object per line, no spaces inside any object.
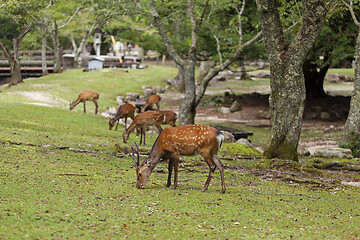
{"x":187,"y":109}
{"x":287,"y":99}
{"x":352,"y":125}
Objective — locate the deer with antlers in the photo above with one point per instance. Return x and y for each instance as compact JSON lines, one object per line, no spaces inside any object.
{"x":186,"y":140}
{"x":126,"y":110}
{"x":153,"y":99}
{"x":141,"y":121}
{"x":86,"y":96}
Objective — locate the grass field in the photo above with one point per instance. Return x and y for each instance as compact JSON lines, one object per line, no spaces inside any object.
{"x":64,"y":175}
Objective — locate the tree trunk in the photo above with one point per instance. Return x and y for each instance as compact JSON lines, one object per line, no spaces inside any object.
{"x":187,"y":109}
{"x":203,"y":71}
{"x":180,"y":78}
{"x":80,"y":49}
{"x":352,"y":125}
{"x":314,"y":79}
{"x":287,"y":99}
{"x":43,"y":50}
{"x":14,"y":61}
{"x":57,"y":60}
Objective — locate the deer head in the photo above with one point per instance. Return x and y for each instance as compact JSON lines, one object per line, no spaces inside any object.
{"x":143,"y":173}
{"x":111,"y":123}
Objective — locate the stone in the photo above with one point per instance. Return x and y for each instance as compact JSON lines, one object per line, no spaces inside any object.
{"x":327,"y":152}
{"x":235,"y":106}
{"x":228,"y":137}
{"x":120,"y":100}
{"x":244,"y":141}
{"x":224,"y":110}
{"x":132,"y":96}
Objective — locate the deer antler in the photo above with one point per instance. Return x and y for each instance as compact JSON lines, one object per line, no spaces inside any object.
{"x":135,"y":151}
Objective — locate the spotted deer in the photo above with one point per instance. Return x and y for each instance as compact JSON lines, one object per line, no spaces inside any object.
{"x":186,"y":140}
{"x":86,"y":96}
{"x":153,"y":99}
{"x":126,"y":110}
{"x":141,"y":121}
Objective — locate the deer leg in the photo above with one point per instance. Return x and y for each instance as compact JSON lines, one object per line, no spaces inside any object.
{"x":96,"y":107}
{"x":143,"y":132}
{"x":157,"y":107}
{"x":212,"y":168}
{"x":125,"y":122}
{"x":117,"y":123}
{"x":170,"y":167}
{"x":84,"y":107}
{"x":220,"y":166}
{"x":176,"y":170}
{"x":158,"y":126}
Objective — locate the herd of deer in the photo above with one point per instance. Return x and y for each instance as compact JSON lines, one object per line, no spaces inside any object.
{"x":172,"y":142}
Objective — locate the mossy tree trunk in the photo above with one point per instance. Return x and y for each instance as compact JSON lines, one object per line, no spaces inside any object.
{"x":288,"y":94}
{"x":352,"y":125}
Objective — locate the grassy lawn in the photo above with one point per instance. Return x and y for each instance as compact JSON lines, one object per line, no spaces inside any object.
{"x":64,"y":175}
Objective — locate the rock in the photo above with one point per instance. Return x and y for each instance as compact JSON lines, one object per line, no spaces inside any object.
{"x":159,"y":89}
{"x":333,"y":153}
{"x":336,"y":78}
{"x":132,"y":96}
{"x":244,"y":141}
{"x":148,"y":91}
{"x":263,"y":74}
{"x":120,"y":100}
{"x":304,"y":152}
{"x":224,"y":110}
{"x":109,"y":113}
{"x":235,"y":106}
{"x":228,"y":137}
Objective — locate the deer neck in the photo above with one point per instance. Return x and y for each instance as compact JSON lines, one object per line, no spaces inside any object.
{"x":154,"y":156}
{"x":117,"y":116}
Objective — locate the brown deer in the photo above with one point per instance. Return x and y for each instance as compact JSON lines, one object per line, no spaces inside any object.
{"x":153,"y":99}
{"x":169,"y":117}
{"x":86,"y":96}
{"x":126,"y":110}
{"x":142,"y":120}
{"x":186,"y":140}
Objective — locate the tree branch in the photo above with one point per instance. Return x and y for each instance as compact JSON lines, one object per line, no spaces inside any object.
{"x":163,"y":34}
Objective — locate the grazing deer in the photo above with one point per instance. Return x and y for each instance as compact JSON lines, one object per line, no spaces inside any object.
{"x":124,"y":111}
{"x":153,"y":99}
{"x":186,"y":140}
{"x":169,"y":117}
{"x":142,"y":120}
{"x":86,"y":96}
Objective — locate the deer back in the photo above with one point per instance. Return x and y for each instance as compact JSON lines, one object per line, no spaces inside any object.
{"x":191,"y":139}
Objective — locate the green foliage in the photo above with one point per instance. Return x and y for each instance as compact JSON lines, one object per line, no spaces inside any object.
{"x":8,"y":31}
{"x":353,"y":143}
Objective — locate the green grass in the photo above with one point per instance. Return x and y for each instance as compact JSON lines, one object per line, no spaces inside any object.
{"x":62,"y":176}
